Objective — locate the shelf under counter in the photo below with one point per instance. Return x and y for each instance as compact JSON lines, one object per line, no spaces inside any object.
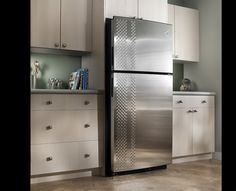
{"x":64,"y":91}
{"x":193,"y":93}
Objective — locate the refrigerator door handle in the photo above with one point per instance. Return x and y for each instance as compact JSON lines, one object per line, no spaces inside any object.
{"x":111,"y":85}
{"x":112,"y":58}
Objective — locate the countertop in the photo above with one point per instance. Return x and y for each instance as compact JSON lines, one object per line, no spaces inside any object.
{"x":193,"y":93}
{"x":64,"y":91}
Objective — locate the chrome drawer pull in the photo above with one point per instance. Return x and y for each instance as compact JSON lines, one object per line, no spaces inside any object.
{"x":86,"y":125}
{"x":86,"y":155}
{"x":180,"y":101}
{"x":48,"y":102}
{"x":86,"y":102}
{"x":49,"y":127}
{"x":48,"y":158}
{"x":204,"y":101}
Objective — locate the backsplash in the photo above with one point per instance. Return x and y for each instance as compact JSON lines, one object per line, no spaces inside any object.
{"x":178,"y":75}
{"x":54,"y":66}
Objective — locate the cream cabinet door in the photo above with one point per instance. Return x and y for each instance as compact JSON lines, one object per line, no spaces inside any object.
{"x":171,"y":20}
{"x":154,"y":10}
{"x":186,"y":23}
{"x":76,"y":24}
{"x":45,"y":23}
{"x":182,"y":143}
{"x":125,"y":8}
{"x":203,"y":130}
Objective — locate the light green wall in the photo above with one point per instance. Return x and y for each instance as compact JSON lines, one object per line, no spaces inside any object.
{"x":178,"y":75}
{"x":207,"y":73}
{"x":57,"y":66}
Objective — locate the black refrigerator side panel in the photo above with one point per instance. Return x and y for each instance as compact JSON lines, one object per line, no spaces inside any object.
{"x":108,"y":94}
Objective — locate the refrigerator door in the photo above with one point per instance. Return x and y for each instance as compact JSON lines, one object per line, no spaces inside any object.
{"x":141,"y":45}
{"x":141,"y":124}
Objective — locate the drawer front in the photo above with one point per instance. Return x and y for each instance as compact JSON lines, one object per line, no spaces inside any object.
{"x":181,"y":101}
{"x":203,"y":101}
{"x":63,"y":126}
{"x":51,"y":158}
{"x":63,"y":102}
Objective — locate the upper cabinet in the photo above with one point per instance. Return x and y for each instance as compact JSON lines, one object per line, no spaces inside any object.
{"x":185,"y":23}
{"x":154,"y":10}
{"x":125,"y":8}
{"x":61,"y":24}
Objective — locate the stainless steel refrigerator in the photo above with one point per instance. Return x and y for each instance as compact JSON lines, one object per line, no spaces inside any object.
{"x":138,"y":132}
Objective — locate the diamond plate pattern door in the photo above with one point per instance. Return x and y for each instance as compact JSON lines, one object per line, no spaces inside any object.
{"x":124,"y":43}
{"x":124,"y":122}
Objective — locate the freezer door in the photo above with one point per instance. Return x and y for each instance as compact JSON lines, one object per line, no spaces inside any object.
{"x":141,"y":121}
{"x":141,"y":45}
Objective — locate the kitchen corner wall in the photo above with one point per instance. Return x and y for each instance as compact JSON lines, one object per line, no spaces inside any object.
{"x":56,"y":66}
{"x":207,"y":73}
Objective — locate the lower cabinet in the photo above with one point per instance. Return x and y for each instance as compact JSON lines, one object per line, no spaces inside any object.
{"x":193,"y":125}
{"x":51,"y":158}
{"x":64,"y":133}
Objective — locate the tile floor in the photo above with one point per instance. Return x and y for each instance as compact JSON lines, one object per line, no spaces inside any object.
{"x":191,"y":176}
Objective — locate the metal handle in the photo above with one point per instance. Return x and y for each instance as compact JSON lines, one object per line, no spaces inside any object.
{"x":86,"y":125}
{"x":48,"y":102}
{"x":86,"y":102}
{"x":190,"y":111}
{"x":86,"y":155}
{"x":204,"y":101}
{"x":176,"y":56}
{"x":48,"y":127}
{"x":48,"y":158}
{"x":56,"y":44}
{"x":194,"y":110}
{"x":64,"y":45}
{"x":180,"y":101}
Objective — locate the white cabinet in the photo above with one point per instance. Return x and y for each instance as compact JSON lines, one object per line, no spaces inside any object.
{"x":61,"y":24}
{"x":193,"y":125}
{"x":154,"y":10}
{"x":125,"y":8}
{"x":185,"y":23}
{"x":64,"y":133}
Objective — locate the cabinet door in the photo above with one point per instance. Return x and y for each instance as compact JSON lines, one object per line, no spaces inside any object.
{"x":171,"y":20}
{"x":125,"y":8}
{"x":203,"y":130}
{"x":45,"y":23}
{"x":182,"y":143}
{"x":76,"y":24}
{"x":186,"y":34}
{"x":154,"y":10}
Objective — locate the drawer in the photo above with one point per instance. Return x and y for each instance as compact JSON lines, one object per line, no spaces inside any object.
{"x":63,"y":102}
{"x":63,"y":126}
{"x":181,"y":101}
{"x":203,"y":101}
{"x":51,"y":158}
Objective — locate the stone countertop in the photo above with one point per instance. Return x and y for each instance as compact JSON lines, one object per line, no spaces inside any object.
{"x":193,"y":93}
{"x":64,"y":91}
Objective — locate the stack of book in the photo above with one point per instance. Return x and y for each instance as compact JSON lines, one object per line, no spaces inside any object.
{"x":79,"y":79}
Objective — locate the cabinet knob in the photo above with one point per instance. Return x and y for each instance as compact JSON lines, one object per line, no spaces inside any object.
{"x":48,"y":102}
{"x":86,"y":125}
{"x":48,"y":158}
{"x":56,"y":44}
{"x":86,"y":102}
{"x":86,"y":155}
{"x":203,"y":101}
{"x":48,"y":127}
{"x":190,"y":111}
{"x":180,"y":101}
{"x":176,"y":56}
{"x":64,"y":45}
{"x":194,"y":110}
